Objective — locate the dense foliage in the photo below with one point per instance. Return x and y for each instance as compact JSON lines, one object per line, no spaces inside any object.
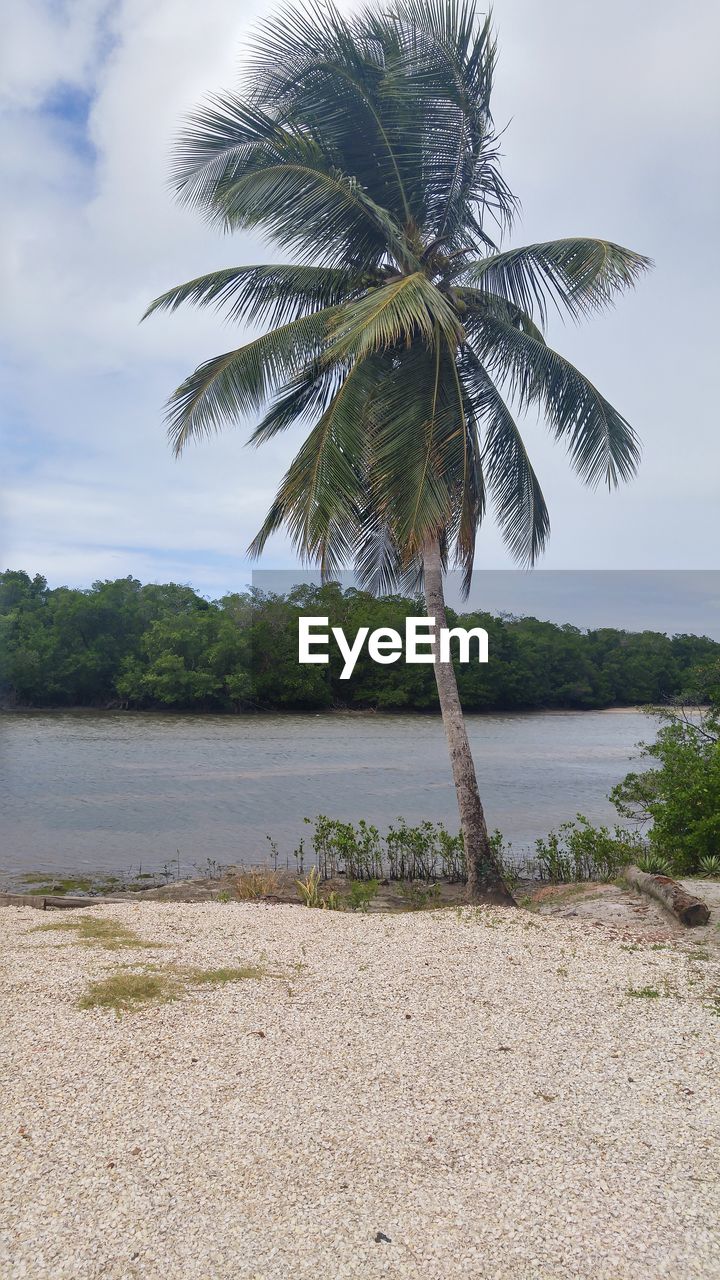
{"x":124,"y":644}
{"x":679,"y":798}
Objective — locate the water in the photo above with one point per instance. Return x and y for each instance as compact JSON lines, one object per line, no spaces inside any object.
{"x":102,"y":792}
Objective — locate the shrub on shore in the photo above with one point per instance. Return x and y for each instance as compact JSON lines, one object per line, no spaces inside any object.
{"x":426,"y":853}
{"x":678,"y":800}
{"x":580,"y":851}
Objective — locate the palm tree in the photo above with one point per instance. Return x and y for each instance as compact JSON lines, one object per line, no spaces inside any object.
{"x":365,"y":146}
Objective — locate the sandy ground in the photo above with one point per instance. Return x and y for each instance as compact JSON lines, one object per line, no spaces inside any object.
{"x":470,"y":1093}
{"x":632,"y":915}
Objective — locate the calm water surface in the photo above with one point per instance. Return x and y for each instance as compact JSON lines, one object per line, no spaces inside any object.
{"x":116,"y":791}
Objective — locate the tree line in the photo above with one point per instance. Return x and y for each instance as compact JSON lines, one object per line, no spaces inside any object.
{"x":124,"y":644}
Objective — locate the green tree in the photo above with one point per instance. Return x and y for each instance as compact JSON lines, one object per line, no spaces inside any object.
{"x":112,"y":642}
{"x":195,"y":658}
{"x":680,"y":796}
{"x":25,"y":637}
{"x":365,"y":145}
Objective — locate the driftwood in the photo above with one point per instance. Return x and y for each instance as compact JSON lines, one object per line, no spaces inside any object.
{"x":688,"y":909}
{"x":45,"y":902}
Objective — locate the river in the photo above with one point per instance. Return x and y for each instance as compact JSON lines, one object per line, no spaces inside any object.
{"x":118,"y":792}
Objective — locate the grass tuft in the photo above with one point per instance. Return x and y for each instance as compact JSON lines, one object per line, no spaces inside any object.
{"x":255,"y":883}
{"x":95,"y":931}
{"x":249,"y":971}
{"x":125,"y":991}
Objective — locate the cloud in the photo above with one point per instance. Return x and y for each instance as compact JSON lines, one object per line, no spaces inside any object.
{"x":46,"y":45}
{"x":614,"y":115}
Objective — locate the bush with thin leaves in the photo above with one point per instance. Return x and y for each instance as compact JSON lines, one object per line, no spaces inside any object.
{"x":679,"y":797}
{"x":580,"y":851}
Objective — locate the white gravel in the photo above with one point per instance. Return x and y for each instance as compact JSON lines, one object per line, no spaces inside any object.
{"x":476,"y":1086}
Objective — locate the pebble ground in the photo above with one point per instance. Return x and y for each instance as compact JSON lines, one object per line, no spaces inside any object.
{"x":441,"y":1095}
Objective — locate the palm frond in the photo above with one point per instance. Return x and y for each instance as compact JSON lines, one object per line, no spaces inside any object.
{"x":418,"y":448}
{"x":580,"y":275}
{"x":480,"y":302}
{"x":302,"y":400}
{"x":332,"y":72}
{"x":395,"y":314}
{"x":517,"y":497}
{"x":321,"y":212}
{"x":322,"y":493}
{"x":229,"y":386}
{"x":601,"y":443}
{"x":243,"y":169}
{"x":224,"y":137}
{"x":377,"y":558}
{"x":470,"y":482}
{"x":274,"y":294}
{"x":450,"y":63}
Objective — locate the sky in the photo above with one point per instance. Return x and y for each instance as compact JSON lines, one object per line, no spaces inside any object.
{"x":612,"y":116}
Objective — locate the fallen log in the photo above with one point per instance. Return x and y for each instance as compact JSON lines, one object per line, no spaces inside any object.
{"x":688,"y":909}
{"x":45,"y":902}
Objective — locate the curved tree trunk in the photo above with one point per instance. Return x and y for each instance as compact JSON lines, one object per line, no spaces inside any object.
{"x":485,"y":879}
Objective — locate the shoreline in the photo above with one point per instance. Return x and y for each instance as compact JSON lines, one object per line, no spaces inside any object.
{"x":314,"y":713}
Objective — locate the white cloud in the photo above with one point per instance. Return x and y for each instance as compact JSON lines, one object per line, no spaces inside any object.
{"x":47,"y":44}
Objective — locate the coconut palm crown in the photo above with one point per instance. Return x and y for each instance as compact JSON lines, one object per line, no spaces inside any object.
{"x":400,"y":333}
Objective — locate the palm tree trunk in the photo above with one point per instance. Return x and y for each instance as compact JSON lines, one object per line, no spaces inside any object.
{"x":485,"y":879}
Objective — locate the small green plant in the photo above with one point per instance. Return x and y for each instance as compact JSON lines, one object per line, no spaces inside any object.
{"x":654,"y":864}
{"x":361,"y":894}
{"x":125,"y":991}
{"x":333,"y":902}
{"x":339,"y":846}
{"x":274,"y":851}
{"x":412,"y":852}
{"x":451,"y":852}
{"x":299,"y":856}
{"x":309,"y":888}
{"x":418,"y":897}
{"x":502,"y":853}
{"x":47,"y":886}
{"x":644,"y":993}
{"x":709,"y":867}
